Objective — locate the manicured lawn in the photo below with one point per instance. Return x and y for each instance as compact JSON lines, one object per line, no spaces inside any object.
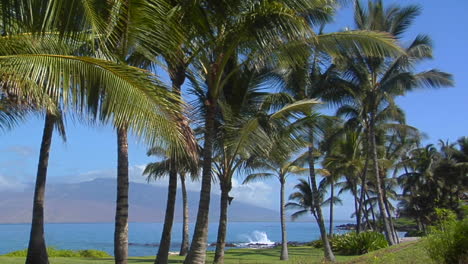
{"x":411,"y":252}
{"x":405,"y":253}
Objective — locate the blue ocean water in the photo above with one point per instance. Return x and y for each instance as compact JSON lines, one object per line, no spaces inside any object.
{"x":143,"y":237}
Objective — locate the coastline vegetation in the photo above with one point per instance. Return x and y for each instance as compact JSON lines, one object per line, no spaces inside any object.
{"x":408,"y":252}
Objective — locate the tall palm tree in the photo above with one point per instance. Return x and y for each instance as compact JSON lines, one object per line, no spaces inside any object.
{"x":218,"y":59}
{"x":139,"y":32}
{"x":49,"y":61}
{"x":376,"y":82}
{"x":240,"y":31}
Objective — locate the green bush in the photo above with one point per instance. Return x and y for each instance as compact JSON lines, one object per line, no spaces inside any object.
{"x":92,"y":253}
{"x":18,"y":253}
{"x":64,"y":253}
{"x":448,"y":242}
{"x":415,"y":233}
{"x":316,"y":243}
{"x":358,"y":244}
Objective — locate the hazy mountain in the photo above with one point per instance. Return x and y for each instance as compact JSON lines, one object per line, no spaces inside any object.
{"x":94,"y":201}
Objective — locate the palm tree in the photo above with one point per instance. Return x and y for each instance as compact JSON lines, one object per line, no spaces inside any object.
{"x":139,"y":32}
{"x":330,"y":180}
{"x":344,"y":157}
{"x":248,"y":119}
{"x":50,"y":63}
{"x":172,"y":167}
{"x":432,"y":179}
{"x":376,"y":82}
{"x":278,"y":164}
{"x":239,"y":33}
{"x":218,"y":59}
{"x":302,"y":199}
{"x":238,"y":137}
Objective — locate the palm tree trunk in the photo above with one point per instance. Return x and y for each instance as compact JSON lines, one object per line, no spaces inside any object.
{"x":37,"y":251}
{"x":121,"y":213}
{"x":389,"y":213}
{"x":284,"y":239}
{"x":222,"y":227}
{"x":329,"y":256}
{"x":380,"y":198}
{"x":185,"y":230}
{"x":197,"y":253}
{"x":332,"y":194}
{"x":418,"y":222}
{"x":165,"y":244}
{"x":356,"y":203}
{"x":366,"y":216}
{"x":361,"y":196}
{"x":372,"y":212}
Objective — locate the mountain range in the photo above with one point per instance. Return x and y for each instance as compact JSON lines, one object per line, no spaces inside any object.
{"x":94,"y":202}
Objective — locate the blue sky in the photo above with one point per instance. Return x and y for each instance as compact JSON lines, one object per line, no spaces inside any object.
{"x":90,"y":152}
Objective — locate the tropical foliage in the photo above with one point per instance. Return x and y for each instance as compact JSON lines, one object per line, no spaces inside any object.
{"x":257,"y":72}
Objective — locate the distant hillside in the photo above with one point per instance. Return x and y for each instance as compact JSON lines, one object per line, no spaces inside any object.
{"x":94,"y":201}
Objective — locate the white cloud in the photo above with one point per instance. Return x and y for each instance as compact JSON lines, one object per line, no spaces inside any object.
{"x":135,"y":174}
{"x":24,"y":151}
{"x":11,"y":183}
{"x":262,"y":193}
{"x":257,"y":193}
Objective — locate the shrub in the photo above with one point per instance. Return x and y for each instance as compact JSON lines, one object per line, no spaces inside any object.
{"x":92,"y":253}
{"x":316,"y":243}
{"x":358,"y":244}
{"x":64,"y":253}
{"x":18,"y":253}
{"x":415,"y":233}
{"x":448,"y":242}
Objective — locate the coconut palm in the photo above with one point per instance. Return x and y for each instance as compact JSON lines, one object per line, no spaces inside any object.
{"x":376,"y":82}
{"x":49,"y":60}
{"x":344,"y":159}
{"x":242,"y":121}
{"x":330,"y":180}
{"x":239,"y":33}
{"x":11,"y":111}
{"x":432,"y":178}
{"x":302,"y":199}
{"x":180,"y":166}
{"x":280,"y":165}
{"x":139,"y":31}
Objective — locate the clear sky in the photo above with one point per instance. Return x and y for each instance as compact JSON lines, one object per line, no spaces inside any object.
{"x":90,"y":152}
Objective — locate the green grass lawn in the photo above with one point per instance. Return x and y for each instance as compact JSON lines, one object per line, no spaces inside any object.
{"x":406,"y":253}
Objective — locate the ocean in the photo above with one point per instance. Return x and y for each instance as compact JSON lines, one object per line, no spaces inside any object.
{"x":144,"y":237}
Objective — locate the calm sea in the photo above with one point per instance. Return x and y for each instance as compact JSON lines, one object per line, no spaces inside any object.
{"x":145,"y":236}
